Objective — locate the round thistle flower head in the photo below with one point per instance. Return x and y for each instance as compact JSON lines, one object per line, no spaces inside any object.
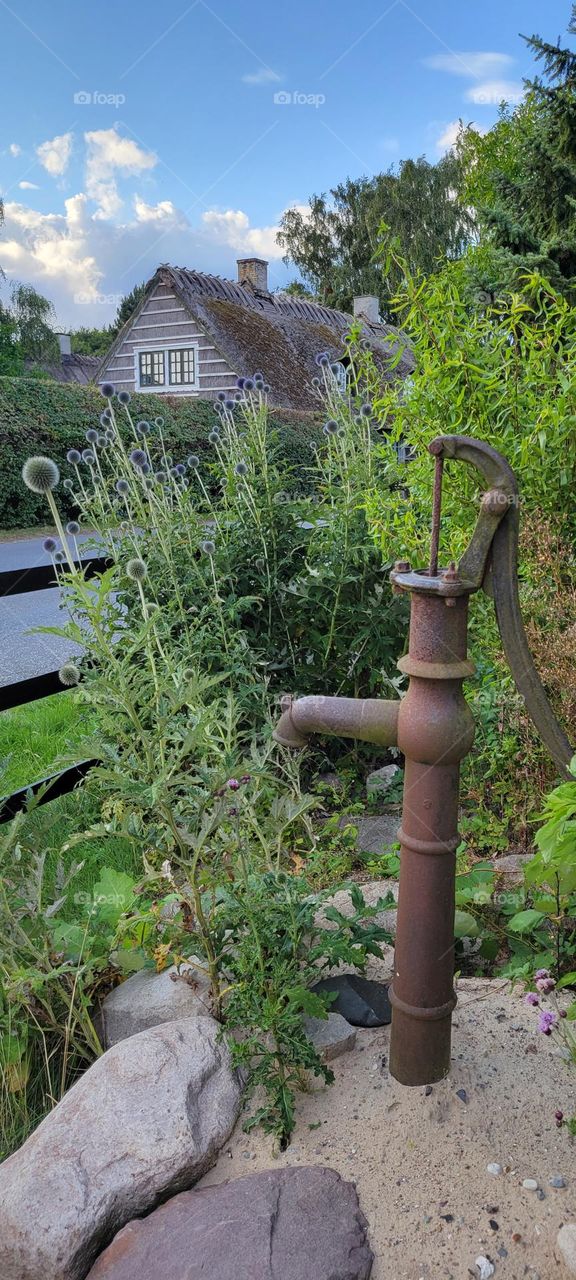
{"x":266,"y":388}
{"x":136,"y":569}
{"x":159,"y":422}
{"x":138,"y":457}
{"x":68,"y":485}
{"x":40,"y":474}
{"x":105,"y":418}
{"x":331,"y":427}
{"x":74,"y":457}
{"x":124,"y":397}
{"x":88,"y":457}
{"x":322,"y":358}
{"x":145,"y":468}
{"x":542,"y":973}
{"x":69,"y":674}
{"x":50,"y":545}
{"x":122,"y":486}
{"x":91,"y":435}
{"x":229,"y":404}
{"x":545,"y":985}
{"x":258,"y":377}
{"x":208,"y":547}
{"x":241,"y":469}
{"x":531,"y":999}
{"x":107,"y":390}
{"x":73,"y":528}
{"x":214,"y":437}
{"x":180,"y":468}
{"x":193,"y":461}
{"x":315,"y":382}
{"x":102,"y":440}
{"x":240,"y":383}
{"x":109,"y":436}
{"x":221,"y":396}
{"x":238,"y":397}
{"x":160,"y":476}
{"x":143,"y":427}
{"x":59,"y":557}
{"x":233,"y":784}
{"x":546,"y":1021}
{"x":248,"y":384}
{"x":366,"y":410}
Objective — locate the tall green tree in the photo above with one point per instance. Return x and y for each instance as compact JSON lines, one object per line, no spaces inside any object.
{"x":128,"y":305}
{"x":521,"y":176}
{"x":335,"y":241}
{"x":92,"y":342}
{"x":34,"y":317}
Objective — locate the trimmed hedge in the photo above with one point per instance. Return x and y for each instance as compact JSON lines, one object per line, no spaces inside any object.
{"x":38,"y":416}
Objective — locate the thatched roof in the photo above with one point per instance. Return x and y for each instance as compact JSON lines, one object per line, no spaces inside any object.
{"x":72,"y":368}
{"x":278,"y":335}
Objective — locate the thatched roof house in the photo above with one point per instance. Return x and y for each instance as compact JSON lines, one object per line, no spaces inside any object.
{"x":70,"y":367}
{"x":193,"y":334}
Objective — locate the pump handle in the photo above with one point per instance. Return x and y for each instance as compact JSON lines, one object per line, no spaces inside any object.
{"x":491,"y":562}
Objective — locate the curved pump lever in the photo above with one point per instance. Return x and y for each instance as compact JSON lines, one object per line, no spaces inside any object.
{"x":491,"y":562}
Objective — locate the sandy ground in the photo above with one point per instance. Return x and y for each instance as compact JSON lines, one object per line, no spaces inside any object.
{"x":419,"y":1161}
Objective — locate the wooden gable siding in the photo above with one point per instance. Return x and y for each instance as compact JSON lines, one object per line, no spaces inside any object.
{"x":164,"y":322}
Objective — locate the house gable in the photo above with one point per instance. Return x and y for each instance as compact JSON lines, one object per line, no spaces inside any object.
{"x":163,"y":323}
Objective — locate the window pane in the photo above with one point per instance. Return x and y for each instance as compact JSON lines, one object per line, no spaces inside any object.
{"x":151,"y":368}
{"x":182,"y":366}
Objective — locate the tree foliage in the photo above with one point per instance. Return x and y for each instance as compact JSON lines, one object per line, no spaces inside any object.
{"x":33,"y":316}
{"x":128,"y":305}
{"x":334,"y":242}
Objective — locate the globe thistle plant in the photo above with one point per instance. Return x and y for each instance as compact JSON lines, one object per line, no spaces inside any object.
{"x":331,"y":427}
{"x":241,"y":469}
{"x":74,"y":457}
{"x":214,"y":437}
{"x":92,"y":436}
{"x":136,"y":569}
{"x":159,"y":422}
{"x":122,"y":485}
{"x":193,"y":461}
{"x":50,"y":546}
{"x":143,"y":427}
{"x":41,"y":475}
{"x":124,"y":397}
{"x":69,"y":674}
{"x":248,"y":384}
{"x":138,"y":458}
{"x":208,"y":547}
{"x":221,"y":396}
{"x":107,"y":390}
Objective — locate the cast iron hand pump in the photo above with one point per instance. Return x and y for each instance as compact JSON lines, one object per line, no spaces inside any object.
{"x":434,"y":729}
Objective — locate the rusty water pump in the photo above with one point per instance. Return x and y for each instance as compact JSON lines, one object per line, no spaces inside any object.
{"x":434,"y":729}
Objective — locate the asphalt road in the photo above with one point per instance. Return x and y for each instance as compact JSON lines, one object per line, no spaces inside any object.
{"x":22,"y":654}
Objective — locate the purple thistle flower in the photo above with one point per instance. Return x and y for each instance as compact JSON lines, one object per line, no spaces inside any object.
{"x":248,"y":384}
{"x":240,"y":382}
{"x":233,"y":784}
{"x":542,"y":973}
{"x":193,"y":461}
{"x":92,"y":436}
{"x":221,"y":396}
{"x":143,"y":428}
{"x":138,"y":457}
{"x":228,"y":404}
{"x":214,"y":437}
{"x":531,"y":999}
{"x":107,"y":390}
{"x":366,"y":410}
{"x":73,"y":528}
{"x":266,"y":388}
{"x":122,"y":485}
{"x":50,"y":545}
{"x":124,"y":397}
{"x":546,"y":1021}
{"x":105,"y":418}
{"x":88,"y":457}
{"x":545,"y":985}
{"x":74,"y":457}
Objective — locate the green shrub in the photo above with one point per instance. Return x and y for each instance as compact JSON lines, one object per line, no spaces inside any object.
{"x":47,"y":417}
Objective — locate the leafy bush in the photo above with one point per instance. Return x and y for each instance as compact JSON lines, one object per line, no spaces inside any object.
{"x":45,"y":417}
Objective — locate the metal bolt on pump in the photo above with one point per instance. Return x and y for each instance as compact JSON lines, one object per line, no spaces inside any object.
{"x":434,"y":729}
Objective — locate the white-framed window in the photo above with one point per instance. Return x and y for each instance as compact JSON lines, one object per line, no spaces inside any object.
{"x":151,"y":372}
{"x":163,"y":368}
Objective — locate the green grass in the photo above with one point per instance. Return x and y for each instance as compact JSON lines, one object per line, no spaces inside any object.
{"x":35,"y":739}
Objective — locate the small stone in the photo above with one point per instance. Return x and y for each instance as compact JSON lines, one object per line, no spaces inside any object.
{"x":530,"y":1184}
{"x":557,"y":1181}
{"x":331,"y":1036}
{"x":502,"y":1252}
{"x":427,"y":1090}
{"x":540,"y":1194}
{"x":494,"y":1169}
{"x":493,"y":1224}
{"x":462,"y":1095}
{"x":485,"y":1267}
{"x":566,"y":1242}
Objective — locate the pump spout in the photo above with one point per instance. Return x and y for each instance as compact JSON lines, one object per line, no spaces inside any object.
{"x":367,"y":719}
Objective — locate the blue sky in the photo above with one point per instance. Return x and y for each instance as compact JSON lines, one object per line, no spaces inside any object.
{"x":134,"y":134}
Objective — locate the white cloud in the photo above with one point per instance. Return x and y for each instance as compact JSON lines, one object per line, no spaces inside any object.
{"x":55,"y":154}
{"x":476,"y":66}
{"x":15,"y":149}
{"x":109,"y":153}
{"x":28,"y":186}
{"x":265,"y":75}
{"x":449,"y":135}
{"x":492,"y":92}
{"x":232,"y":227}
{"x":164,"y":213}
{"x":51,"y":250}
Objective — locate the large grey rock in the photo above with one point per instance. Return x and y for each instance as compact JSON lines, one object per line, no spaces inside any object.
{"x":283,"y":1224}
{"x":147,"y":999}
{"x":375,"y":835}
{"x":146,"y":1120}
{"x":380,"y":780}
{"x":511,"y":867}
{"x":371,"y":893}
{"x":331,"y":1036}
{"x":566,"y":1241}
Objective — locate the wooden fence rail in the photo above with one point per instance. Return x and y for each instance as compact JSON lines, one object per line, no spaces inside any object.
{"x":14,"y":582}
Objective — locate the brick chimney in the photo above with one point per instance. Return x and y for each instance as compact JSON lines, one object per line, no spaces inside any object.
{"x":253,"y":271}
{"x":65,"y":343}
{"x":367,"y":307}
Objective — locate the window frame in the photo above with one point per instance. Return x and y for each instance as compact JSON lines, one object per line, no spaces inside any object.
{"x":166,"y":387}
{"x":182,"y":351}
